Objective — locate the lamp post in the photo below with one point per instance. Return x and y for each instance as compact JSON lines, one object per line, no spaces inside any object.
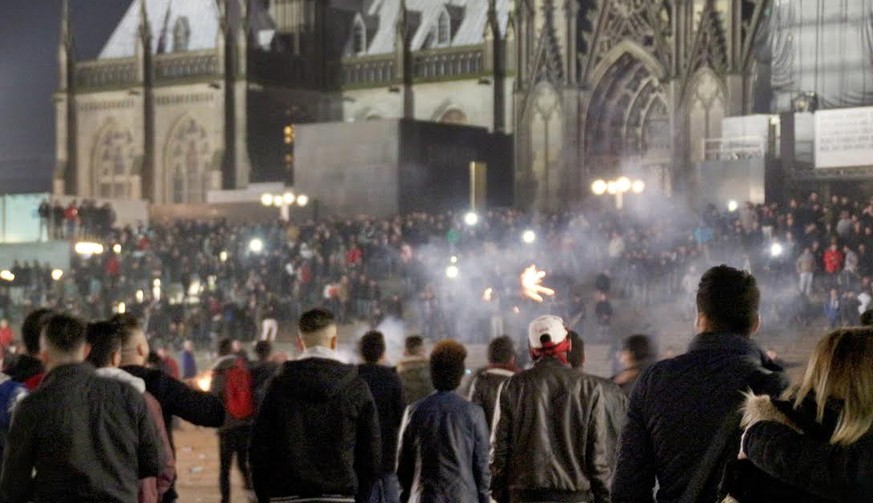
{"x":284,"y":202}
{"x":617,"y":187}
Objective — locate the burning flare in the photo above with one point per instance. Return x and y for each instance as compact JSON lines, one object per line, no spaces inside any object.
{"x":489,"y":292}
{"x":531,"y":284}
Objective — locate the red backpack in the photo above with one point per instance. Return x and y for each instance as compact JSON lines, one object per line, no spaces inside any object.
{"x":238,"y":391}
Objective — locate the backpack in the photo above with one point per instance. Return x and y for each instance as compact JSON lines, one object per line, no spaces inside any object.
{"x":238,"y":398}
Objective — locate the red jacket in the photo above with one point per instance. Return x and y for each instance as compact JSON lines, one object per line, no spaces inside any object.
{"x":833,"y":261}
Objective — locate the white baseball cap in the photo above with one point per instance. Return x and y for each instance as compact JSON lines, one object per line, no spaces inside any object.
{"x":550,"y":325}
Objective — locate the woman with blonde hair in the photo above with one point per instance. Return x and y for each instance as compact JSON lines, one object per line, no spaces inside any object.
{"x":817,"y":445}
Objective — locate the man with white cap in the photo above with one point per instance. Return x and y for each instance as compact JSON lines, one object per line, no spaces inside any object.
{"x":550,"y":439}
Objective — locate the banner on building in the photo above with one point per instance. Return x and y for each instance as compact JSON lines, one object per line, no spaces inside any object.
{"x":844,"y":137}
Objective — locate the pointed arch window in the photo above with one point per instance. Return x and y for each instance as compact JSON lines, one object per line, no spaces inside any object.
{"x":181,"y":35}
{"x":359,"y":37}
{"x":444,"y":29}
{"x":113,"y":163}
{"x":188,"y":163}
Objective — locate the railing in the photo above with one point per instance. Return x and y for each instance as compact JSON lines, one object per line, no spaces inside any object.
{"x":106,"y":73}
{"x":366,"y":72}
{"x":741,"y":147}
{"x":185,"y":66}
{"x":447,"y":63}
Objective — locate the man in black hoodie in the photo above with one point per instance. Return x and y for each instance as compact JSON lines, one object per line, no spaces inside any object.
{"x":317,"y":433}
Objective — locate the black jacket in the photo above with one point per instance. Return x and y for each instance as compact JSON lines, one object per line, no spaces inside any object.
{"x":317,"y":433}
{"x":484,"y":388}
{"x":24,"y":367}
{"x":388,"y":394}
{"x":785,"y":465}
{"x":676,"y":408}
{"x":88,"y":438}
{"x":178,"y":399}
{"x":443,"y":454}
{"x":615,"y":406}
{"x":550,"y":439}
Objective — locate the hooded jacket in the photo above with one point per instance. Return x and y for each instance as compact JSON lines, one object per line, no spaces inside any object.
{"x":151,"y":489}
{"x":790,"y":457}
{"x":414,"y":373}
{"x":316,"y":434}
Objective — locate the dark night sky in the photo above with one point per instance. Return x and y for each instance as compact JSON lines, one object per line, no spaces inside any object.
{"x":29,"y":31}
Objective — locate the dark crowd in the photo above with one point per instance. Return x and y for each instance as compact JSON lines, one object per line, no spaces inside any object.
{"x":88,"y":412}
{"x":203,"y":281}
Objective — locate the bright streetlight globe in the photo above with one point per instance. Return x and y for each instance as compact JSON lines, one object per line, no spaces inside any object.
{"x":266,"y":199}
{"x":529,"y":236}
{"x":256,"y":245}
{"x":638,"y":186}
{"x":471,"y":218}
{"x":288,"y":198}
{"x":623,"y":184}
{"x":598,"y":187}
{"x":732,"y":206}
{"x":452,"y":271}
{"x":302,"y":200}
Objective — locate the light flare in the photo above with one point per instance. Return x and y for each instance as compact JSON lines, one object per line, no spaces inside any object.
{"x":488,"y":294}
{"x":531,"y":284}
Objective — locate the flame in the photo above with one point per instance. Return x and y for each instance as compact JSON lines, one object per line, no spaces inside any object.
{"x":489,"y":292}
{"x":531,"y":284}
{"x":204,"y":381}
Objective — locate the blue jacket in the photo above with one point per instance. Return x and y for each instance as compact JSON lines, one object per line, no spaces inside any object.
{"x":443,"y":453}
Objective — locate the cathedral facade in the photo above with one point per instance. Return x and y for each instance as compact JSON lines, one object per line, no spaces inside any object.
{"x":189,"y":96}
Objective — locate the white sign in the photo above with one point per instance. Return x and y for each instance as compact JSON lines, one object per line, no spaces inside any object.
{"x":844,"y":137}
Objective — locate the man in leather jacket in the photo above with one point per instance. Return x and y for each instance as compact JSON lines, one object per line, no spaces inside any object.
{"x":550,"y":440}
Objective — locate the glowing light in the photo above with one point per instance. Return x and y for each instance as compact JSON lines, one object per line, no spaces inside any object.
{"x":531,"y":284}
{"x":488,"y":294}
{"x":278,"y":200}
{"x":452,"y":272}
{"x":267,"y":199}
{"x":732,"y":206}
{"x":256,"y":245}
{"x":204,"y":381}
{"x":623,"y":184}
{"x":88,"y":248}
{"x":140,"y":296}
{"x":638,"y":186}
{"x":121,"y":308}
{"x":598,"y":187}
{"x":288,"y":198}
{"x":116,"y":248}
{"x":57,"y":274}
{"x":471,"y":219}
{"x":7,"y":275}
{"x":156,"y":283}
{"x":776,"y":249}
{"x":611,"y":188}
{"x":454,"y":259}
{"x":529,"y":236}
{"x":302,"y":200}
{"x":222,"y":256}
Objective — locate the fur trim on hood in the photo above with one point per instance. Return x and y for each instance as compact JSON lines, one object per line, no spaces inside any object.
{"x":761,"y":408}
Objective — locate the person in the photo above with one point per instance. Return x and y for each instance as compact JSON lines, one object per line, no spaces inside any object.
{"x":614,"y":398}
{"x":678,"y":407}
{"x":387,"y":392}
{"x":806,"y":269}
{"x":866,"y":318}
{"x":263,"y":370}
{"x":26,"y":368}
{"x":488,"y":380}
{"x":414,"y":370}
{"x":233,"y":436}
{"x":549,"y":403}
{"x":78,"y":437}
{"x":176,"y":399}
{"x":170,"y":363}
{"x":817,"y":445}
{"x":317,"y":435}
{"x":189,"y":362}
{"x":603,"y":312}
{"x":443,"y":451}
{"x":6,"y":336}
{"x":832,"y":308}
{"x":104,"y":342}
{"x":637,"y":354}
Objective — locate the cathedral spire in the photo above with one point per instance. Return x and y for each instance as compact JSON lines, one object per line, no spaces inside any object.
{"x":145,"y":29}
{"x":66,"y":30}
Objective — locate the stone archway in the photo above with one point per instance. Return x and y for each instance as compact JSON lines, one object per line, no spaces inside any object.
{"x":187,"y":165}
{"x":112,"y":163}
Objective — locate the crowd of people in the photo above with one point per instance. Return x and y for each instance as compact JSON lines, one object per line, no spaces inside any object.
{"x":207,"y":280}
{"x":89,"y":420}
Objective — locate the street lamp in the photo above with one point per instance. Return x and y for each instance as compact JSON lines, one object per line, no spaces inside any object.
{"x":618,"y":188}
{"x":284,"y":202}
